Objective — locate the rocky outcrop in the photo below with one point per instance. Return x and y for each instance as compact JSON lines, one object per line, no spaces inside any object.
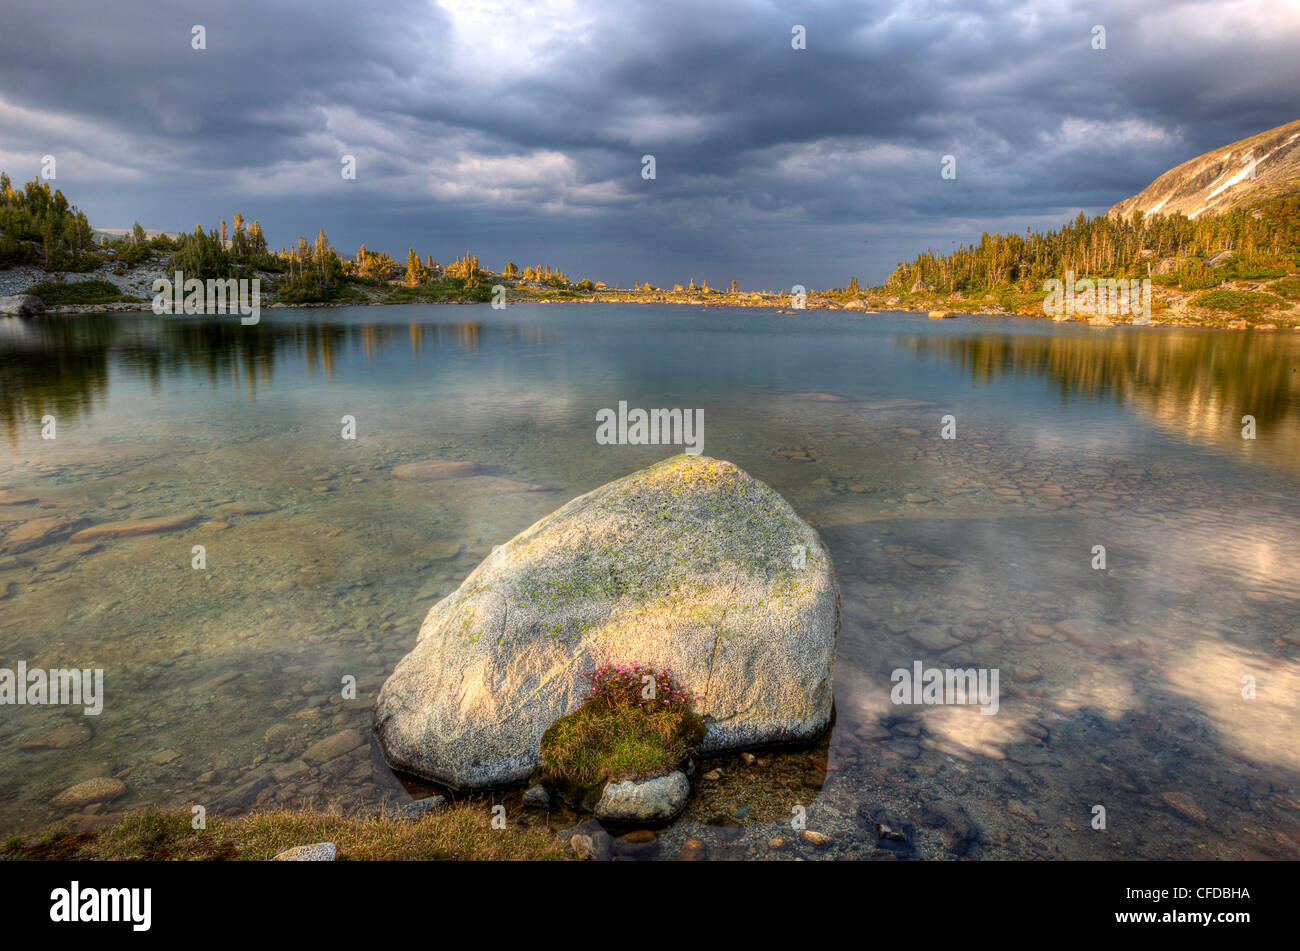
{"x":1259,"y":167}
{"x":690,"y":564}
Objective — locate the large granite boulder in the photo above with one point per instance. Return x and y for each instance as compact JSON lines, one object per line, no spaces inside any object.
{"x":690,"y":564}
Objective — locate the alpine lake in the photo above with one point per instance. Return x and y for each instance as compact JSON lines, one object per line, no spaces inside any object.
{"x":1098,"y":529}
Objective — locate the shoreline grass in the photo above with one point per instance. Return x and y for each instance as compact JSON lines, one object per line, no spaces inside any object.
{"x":456,"y":833}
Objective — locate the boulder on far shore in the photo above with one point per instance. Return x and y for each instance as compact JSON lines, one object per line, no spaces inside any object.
{"x":22,"y":305}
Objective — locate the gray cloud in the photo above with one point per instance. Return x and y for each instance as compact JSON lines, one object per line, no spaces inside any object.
{"x":518,"y":131}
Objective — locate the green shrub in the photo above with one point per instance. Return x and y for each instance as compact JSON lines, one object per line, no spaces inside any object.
{"x":618,"y":733}
{"x":1288,"y":287}
{"x":79,"y":292}
{"x":453,"y":289}
{"x":1239,"y":303}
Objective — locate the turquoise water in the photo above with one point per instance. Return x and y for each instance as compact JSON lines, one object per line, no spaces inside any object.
{"x":1121,"y":687}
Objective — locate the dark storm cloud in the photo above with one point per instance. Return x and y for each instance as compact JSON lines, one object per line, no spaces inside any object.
{"x":518,"y":131}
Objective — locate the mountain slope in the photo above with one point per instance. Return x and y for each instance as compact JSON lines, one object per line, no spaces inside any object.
{"x":1221,"y":180}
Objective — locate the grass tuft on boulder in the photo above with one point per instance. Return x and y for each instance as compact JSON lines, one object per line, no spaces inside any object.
{"x":636,"y":723}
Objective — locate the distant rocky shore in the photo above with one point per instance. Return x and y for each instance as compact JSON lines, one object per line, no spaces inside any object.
{"x":1171,"y":307}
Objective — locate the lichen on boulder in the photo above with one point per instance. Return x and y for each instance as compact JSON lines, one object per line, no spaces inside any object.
{"x":690,"y":564}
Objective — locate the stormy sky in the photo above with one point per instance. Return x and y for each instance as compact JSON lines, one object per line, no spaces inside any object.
{"x":517,"y":130}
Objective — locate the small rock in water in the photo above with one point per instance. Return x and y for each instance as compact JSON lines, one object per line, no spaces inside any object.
{"x":652,"y":800}
{"x":61,"y":737}
{"x":639,"y":844}
{"x":693,"y":850}
{"x":888,"y":826}
{"x":816,"y":839}
{"x":136,"y":526}
{"x":295,"y":769}
{"x":712,"y":775}
{"x":38,"y":532}
{"x":1018,"y":808}
{"x":331,"y":747}
{"x":1095,"y":637}
{"x":1031,"y":756}
{"x":958,"y":829}
{"x":1184,"y":804}
{"x":246,"y":508}
{"x":99,"y":789}
{"x":906,"y":749}
{"x":316,"y":852}
{"x":431,"y":470}
{"x":933,"y":639}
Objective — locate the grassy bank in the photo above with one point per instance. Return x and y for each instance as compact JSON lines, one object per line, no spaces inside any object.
{"x":456,"y":833}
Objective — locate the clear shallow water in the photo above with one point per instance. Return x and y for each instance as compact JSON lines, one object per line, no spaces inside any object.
{"x":1126,"y":689}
